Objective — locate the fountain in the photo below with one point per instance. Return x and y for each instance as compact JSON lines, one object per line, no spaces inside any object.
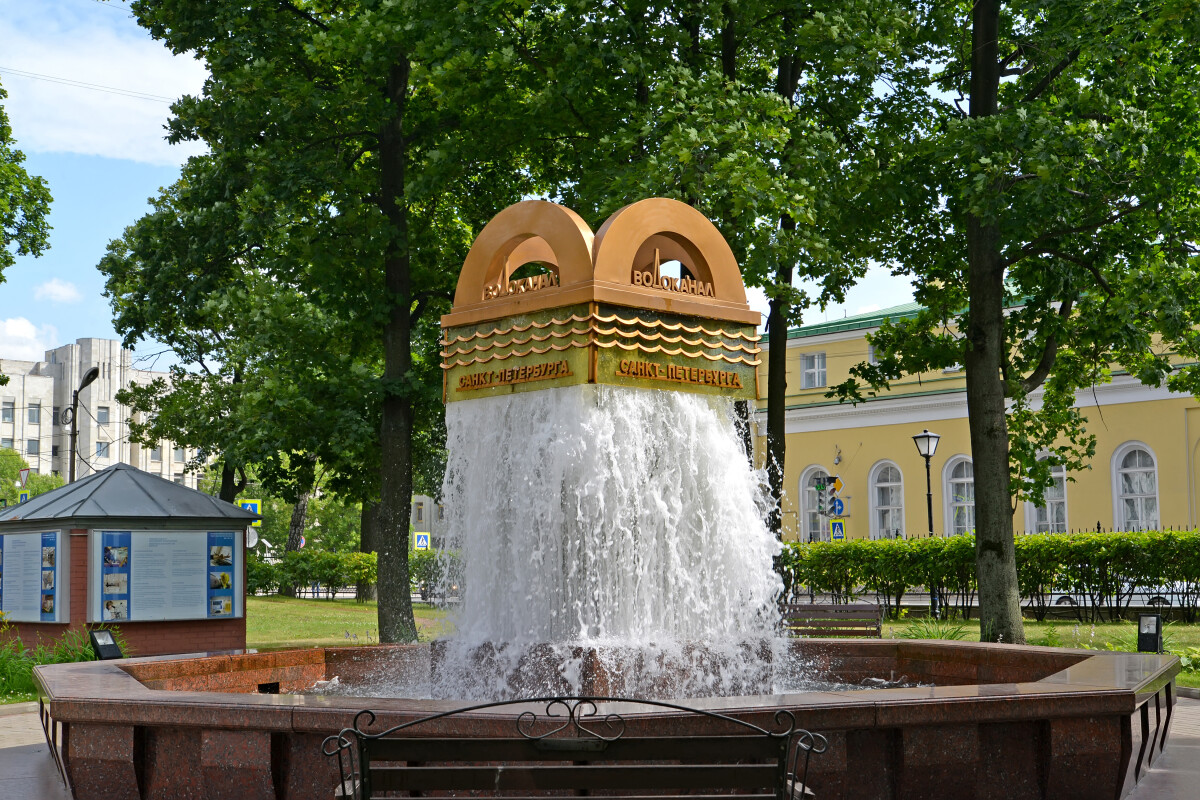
{"x":608,"y":522}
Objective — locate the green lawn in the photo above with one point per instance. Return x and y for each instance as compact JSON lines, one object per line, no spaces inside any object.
{"x":273,"y":622}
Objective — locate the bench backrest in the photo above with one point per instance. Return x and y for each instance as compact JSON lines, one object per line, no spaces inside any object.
{"x":572,"y":745}
{"x":816,"y":619}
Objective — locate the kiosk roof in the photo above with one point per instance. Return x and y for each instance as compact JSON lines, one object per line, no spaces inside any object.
{"x":124,"y":493}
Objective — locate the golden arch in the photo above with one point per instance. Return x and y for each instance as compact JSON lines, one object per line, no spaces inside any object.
{"x":610,"y":268}
{"x":533,"y":230}
{"x":628,"y":239}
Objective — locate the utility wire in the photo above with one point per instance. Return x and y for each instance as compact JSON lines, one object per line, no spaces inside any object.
{"x":158,"y":98}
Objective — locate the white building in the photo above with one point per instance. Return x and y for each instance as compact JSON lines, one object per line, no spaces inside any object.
{"x":31,"y":419}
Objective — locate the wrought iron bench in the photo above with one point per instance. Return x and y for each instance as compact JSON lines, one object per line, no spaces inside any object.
{"x":572,"y":746}
{"x":850,"y":619}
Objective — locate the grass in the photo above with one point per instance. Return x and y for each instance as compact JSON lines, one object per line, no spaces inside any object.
{"x":274,"y":622}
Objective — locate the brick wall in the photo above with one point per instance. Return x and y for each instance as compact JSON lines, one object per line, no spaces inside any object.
{"x":142,"y":638}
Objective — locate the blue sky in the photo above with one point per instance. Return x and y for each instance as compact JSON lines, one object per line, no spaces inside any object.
{"x":88,"y":96}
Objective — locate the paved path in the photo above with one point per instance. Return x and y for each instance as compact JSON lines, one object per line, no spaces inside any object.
{"x":27,"y":769}
{"x":1176,"y":774}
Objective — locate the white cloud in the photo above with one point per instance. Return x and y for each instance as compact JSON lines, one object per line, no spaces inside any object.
{"x":101,"y":48}
{"x":57,"y":291}
{"x":21,"y":340}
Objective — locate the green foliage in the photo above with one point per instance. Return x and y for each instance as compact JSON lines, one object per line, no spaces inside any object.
{"x":11,"y":464}
{"x":1101,"y":568}
{"x":17,"y":659}
{"x":25,"y":203}
{"x":300,"y":569}
{"x":930,"y":628}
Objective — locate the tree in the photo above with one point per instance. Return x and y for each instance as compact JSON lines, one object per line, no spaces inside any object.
{"x":24,"y":204}
{"x":763,"y":115}
{"x":1051,"y":229}
{"x":370,"y":139}
{"x":11,"y":465}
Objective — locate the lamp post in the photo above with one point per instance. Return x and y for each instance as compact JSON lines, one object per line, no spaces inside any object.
{"x":927,"y":445}
{"x":88,"y":377}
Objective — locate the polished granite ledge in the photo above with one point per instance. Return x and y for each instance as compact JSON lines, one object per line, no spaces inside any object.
{"x":1061,"y":723}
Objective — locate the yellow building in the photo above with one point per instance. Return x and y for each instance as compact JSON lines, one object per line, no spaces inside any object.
{"x":1143,"y":475}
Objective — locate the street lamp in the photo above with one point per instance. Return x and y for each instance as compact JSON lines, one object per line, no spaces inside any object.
{"x":927,"y":443}
{"x":73,"y":411}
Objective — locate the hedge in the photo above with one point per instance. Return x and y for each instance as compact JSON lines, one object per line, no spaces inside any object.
{"x":333,"y":571}
{"x":1102,"y":571}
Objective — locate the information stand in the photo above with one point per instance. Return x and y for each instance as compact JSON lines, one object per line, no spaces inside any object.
{"x":30,"y":576}
{"x":164,"y":575}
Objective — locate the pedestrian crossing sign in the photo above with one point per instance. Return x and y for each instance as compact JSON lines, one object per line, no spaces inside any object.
{"x":254,"y":507}
{"x":421,"y":542}
{"x":837,"y":529}
{"x":22,"y":497}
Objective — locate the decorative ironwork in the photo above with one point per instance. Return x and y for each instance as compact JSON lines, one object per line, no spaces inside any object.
{"x":588,"y":729}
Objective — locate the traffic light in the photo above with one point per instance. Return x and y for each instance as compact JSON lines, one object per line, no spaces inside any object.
{"x":822,"y":496}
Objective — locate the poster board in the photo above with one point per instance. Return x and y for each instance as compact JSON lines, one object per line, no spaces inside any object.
{"x":31,"y":573}
{"x":139,"y":576}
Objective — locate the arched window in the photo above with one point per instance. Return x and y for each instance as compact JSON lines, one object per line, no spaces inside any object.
{"x":1135,"y":479}
{"x":960,"y":496}
{"x":1051,"y":516}
{"x":887,"y":502}
{"x":813,"y":524}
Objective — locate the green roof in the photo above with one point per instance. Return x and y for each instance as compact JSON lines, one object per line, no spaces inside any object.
{"x":872,"y":319}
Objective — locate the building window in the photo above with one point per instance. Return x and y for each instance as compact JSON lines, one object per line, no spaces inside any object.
{"x":179,"y":478}
{"x":1051,"y":516}
{"x":56,"y":417}
{"x":54,"y":451}
{"x":102,"y":415}
{"x":420,"y":512}
{"x":960,"y":496}
{"x":156,"y":453}
{"x":812,"y":370}
{"x":102,"y":449}
{"x":179,"y":455}
{"x":33,"y":447}
{"x":34,"y":413}
{"x":813,"y":527}
{"x":887,"y":502}
{"x":441,"y":513}
{"x":1136,"y":478}
{"x":7,"y":410}
{"x":6,"y":443}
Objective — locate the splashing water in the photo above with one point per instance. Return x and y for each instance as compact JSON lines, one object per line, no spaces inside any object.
{"x":622,"y":522}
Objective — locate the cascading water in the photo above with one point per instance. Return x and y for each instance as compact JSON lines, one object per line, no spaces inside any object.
{"x":620,"y":521}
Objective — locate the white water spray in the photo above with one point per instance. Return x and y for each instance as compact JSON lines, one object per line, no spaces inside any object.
{"x":624,"y":520}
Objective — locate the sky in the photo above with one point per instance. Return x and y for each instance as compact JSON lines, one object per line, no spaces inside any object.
{"x":88,"y":99}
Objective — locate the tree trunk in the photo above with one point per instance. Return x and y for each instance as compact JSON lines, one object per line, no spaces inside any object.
{"x":995,"y":551}
{"x":777,"y":328}
{"x":396,"y":622}
{"x":229,"y":487}
{"x":295,"y":532}
{"x":367,"y":544}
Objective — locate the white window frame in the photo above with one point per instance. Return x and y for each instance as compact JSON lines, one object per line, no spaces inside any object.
{"x":948,"y":504}
{"x":1031,"y":511}
{"x":807,"y":502}
{"x":1118,"y":507}
{"x":156,"y":453}
{"x":103,"y":415}
{"x":103,"y":449}
{"x":8,"y":411}
{"x":812,"y":370}
{"x":36,"y":444}
{"x":873,"y":506}
{"x":33,"y":414}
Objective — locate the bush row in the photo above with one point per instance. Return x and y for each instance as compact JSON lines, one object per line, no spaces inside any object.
{"x":1102,"y":572}
{"x":302,"y":568}
{"x":334,"y":571}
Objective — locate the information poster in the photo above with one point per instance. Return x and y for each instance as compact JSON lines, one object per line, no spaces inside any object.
{"x":29,"y":576}
{"x":114,"y":588}
{"x":159,"y":575}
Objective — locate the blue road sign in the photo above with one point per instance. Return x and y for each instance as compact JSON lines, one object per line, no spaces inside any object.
{"x":837,"y":529}
{"x":838,"y":507}
{"x":421,"y":542}
{"x":22,"y":497}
